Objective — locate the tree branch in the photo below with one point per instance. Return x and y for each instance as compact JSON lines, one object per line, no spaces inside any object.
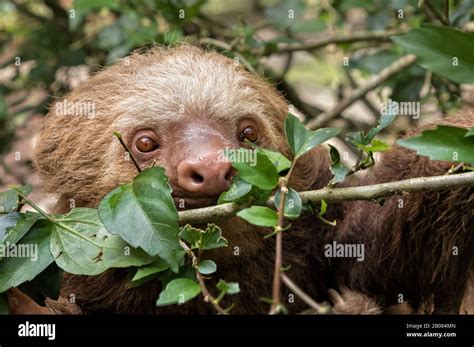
{"x":399,"y":65}
{"x":364,"y":36}
{"x":302,"y":295}
{"x":337,"y":195}
{"x":354,"y":85}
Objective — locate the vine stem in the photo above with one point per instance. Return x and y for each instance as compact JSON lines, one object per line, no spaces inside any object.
{"x":32,"y":204}
{"x":119,"y":137}
{"x":205,"y":292}
{"x":302,"y":295}
{"x":276,"y":288}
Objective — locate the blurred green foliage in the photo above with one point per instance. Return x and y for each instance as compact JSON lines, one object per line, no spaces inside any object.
{"x":52,"y":34}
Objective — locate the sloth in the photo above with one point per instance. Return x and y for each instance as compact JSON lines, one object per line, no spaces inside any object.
{"x":178,"y":108}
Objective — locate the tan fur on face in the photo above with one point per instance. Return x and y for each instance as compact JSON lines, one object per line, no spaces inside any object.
{"x":150,"y":90}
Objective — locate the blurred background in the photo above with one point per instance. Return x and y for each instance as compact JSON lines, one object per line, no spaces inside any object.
{"x":49,"y":46}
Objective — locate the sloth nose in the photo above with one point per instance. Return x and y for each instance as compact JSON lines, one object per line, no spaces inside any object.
{"x":209,"y":176}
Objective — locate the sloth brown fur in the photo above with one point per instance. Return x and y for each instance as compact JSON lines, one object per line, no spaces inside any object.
{"x":408,"y":250}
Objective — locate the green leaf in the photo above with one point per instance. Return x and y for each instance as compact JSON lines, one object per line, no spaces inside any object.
{"x":14,"y":226}
{"x":9,"y":200}
{"x":293,"y":203}
{"x":207,"y":267}
{"x":228,"y":287}
{"x":260,"y":172}
{"x":151,"y":269}
{"x":385,"y":120}
{"x":179,"y":291}
{"x":443,"y":143}
{"x":323,"y":209}
{"x":81,"y":245}
{"x":210,"y":238}
{"x":8,"y":221}
{"x":259,"y":215}
{"x":37,"y":257}
{"x":338,"y":169}
{"x":278,"y":160}
{"x":367,"y":142}
{"x":443,"y":50}
{"x":185,"y":271}
{"x":143,"y":214}
{"x":191,"y":235}
{"x":237,"y":190}
{"x":374,"y":146}
{"x":301,"y":139}
{"x":259,"y":196}
{"x":470,"y":132}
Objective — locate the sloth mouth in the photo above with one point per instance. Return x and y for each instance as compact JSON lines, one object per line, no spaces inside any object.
{"x":186,"y":203}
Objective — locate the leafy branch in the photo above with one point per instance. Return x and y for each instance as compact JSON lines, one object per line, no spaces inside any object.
{"x":205,"y":292}
{"x":137,"y":224}
{"x":338,"y":195}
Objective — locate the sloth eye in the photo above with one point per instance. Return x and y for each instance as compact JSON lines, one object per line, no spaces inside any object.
{"x":249,"y":133}
{"x":146,"y":144}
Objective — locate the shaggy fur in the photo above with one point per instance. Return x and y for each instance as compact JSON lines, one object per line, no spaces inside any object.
{"x":408,"y":250}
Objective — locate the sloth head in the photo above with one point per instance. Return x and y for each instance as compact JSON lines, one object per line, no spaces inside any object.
{"x":175,"y":108}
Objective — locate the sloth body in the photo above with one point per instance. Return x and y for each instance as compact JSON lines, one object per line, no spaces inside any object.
{"x":178,"y":108}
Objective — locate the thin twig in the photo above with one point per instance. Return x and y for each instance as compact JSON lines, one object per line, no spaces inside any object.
{"x":205,"y":292}
{"x":119,"y":137}
{"x":446,"y":12}
{"x":276,"y":289}
{"x":399,"y":65}
{"x":338,"y":195}
{"x":455,"y":169}
{"x":301,"y":294}
{"x":365,"y":36}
